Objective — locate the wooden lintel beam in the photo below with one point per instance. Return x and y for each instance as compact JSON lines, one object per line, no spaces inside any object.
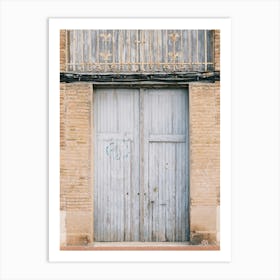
{"x":149,"y":78}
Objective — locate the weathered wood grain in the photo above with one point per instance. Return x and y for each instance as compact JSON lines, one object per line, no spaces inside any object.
{"x":141,"y":177}
{"x":140,"y":51}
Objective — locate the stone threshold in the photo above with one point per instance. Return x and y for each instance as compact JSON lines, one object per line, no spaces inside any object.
{"x":140,"y":246}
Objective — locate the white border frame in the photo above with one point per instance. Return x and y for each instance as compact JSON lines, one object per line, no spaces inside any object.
{"x":224,"y":254}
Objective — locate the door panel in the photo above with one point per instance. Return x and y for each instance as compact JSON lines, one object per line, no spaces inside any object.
{"x":141,"y":171}
{"x":165,"y":154}
{"x":116,"y":187}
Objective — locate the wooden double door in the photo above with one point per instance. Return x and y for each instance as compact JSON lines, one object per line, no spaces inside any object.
{"x":141,"y":164}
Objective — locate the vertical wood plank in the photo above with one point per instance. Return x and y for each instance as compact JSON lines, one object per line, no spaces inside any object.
{"x":201,"y":50}
{"x":143,"y":195}
{"x":135,"y":174}
{"x":210,"y":49}
{"x":205,"y":50}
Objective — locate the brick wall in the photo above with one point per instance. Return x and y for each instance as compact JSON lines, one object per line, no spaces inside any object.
{"x":204,"y":161}
{"x":62,"y":50}
{"x":76,"y":163}
{"x":217,"y":49}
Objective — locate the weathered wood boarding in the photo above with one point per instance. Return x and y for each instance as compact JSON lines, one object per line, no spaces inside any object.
{"x":140,"y":51}
{"x":141,"y":165}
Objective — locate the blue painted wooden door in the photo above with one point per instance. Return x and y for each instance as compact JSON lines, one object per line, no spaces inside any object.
{"x":141,"y":165}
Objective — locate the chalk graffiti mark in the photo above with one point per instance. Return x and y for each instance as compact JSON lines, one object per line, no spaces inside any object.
{"x":118,"y":151}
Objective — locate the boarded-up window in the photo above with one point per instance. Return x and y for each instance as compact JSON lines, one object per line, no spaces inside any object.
{"x":140,"y":50}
